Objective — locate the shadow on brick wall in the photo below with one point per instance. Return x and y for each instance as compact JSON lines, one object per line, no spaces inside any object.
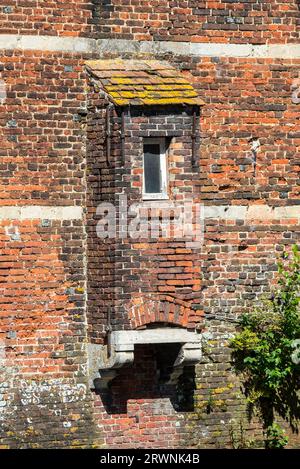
{"x":147,"y":384}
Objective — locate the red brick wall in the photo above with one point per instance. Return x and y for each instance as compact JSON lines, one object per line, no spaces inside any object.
{"x":44,"y":395}
{"x":245,"y":99}
{"x":47,"y":17}
{"x":248,"y":99}
{"x":49,"y":140}
{"x":138,"y":411}
{"x":239,"y":267}
{"x":210,"y":21}
{"x":239,"y":263}
{"x":45,"y":401}
{"x":41,"y":137}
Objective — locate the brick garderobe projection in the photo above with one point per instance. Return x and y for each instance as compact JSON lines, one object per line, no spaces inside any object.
{"x":110,"y":340}
{"x":142,"y":147}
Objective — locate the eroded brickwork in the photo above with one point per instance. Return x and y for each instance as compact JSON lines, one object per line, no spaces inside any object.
{"x":139,"y":411}
{"x":238,"y":263}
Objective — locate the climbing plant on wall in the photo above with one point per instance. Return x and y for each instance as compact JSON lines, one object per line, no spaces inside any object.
{"x":265,"y":352}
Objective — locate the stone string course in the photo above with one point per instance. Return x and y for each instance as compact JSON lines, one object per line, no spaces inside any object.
{"x":121,"y":46}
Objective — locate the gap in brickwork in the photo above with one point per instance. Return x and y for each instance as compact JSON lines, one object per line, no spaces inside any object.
{"x":147,"y":380}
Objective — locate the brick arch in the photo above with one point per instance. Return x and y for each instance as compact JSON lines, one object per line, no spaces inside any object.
{"x":152,"y":308}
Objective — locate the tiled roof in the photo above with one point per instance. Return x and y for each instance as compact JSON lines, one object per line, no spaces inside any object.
{"x":143,"y":82}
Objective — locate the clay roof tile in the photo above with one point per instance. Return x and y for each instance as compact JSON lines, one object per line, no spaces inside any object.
{"x":143,"y":82}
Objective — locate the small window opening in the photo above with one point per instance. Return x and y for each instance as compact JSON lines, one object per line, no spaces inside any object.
{"x":154,"y":169}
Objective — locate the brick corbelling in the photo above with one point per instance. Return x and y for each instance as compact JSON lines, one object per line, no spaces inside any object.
{"x":245,"y":99}
{"x":122,"y":271}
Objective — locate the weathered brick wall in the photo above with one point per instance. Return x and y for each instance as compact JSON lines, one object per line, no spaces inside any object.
{"x":247,"y":100}
{"x":45,"y":399}
{"x":210,"y":413}
{"x":139,"y":411}
{"x":47,"y":17}
{"x":252,"y":100}
{"x":190,"y":20}
{"x":240,"y":267}
{"x":45,"y":275}
{"x":41,"y":139}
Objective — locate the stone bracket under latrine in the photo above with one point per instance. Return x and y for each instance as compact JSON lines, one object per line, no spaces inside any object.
{"x":104,"y":361}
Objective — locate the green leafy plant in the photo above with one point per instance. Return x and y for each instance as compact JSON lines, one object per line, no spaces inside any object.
{"x":264,"y":348}
{"x":275,"y":438}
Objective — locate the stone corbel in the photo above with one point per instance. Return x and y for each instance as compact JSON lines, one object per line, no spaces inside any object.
{"x":104,"y":361}
{"x":190,"y":354}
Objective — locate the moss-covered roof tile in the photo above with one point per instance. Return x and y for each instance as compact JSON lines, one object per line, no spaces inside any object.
{"x":143,"y":82}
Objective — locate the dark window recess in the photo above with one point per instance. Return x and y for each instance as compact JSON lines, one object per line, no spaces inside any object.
{"x":152,"y":170}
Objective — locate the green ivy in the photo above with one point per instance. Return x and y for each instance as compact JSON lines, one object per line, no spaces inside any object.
{"x":264,"y":350}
